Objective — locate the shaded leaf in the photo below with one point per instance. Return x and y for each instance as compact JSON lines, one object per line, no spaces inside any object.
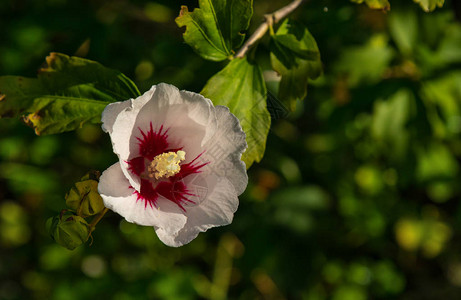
{"x":310,"y":197}
{"x":374,"y":58}
{"x":216,"y":28}
{"x":443,"y":105}
{"x":295,"y":206}
{"x":375,"y":4}
{"x":240,"y":86}
{"x":296,"y":57}
{"x":390,"y":119}
{"x":444,"y":50}
{"x":17,"y":94}
{"x":403,"y":25}
{"x":21,"y":178}
{"x":68,"y":92}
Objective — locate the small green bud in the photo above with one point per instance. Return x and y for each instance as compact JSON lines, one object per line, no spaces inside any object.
{"x":69,"y":230}
{"x":84,"y":197}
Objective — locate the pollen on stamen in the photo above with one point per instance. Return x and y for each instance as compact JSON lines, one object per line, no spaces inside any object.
{"x":166,"y":164}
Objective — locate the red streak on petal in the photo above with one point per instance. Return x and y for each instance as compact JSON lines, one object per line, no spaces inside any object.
{"x":147,"y":193}
{"x":175,"y":191}
{"x":191,"y":168}
{"x":153,"y":142}
{"x":136,"y":165}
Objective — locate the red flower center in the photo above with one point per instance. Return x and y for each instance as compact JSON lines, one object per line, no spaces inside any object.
{"x":152,"y":144}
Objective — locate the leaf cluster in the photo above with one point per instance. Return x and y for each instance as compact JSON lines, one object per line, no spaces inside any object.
{"x":68,"y":92}
{"x":215,"y":30}
{"x":426,"y":5}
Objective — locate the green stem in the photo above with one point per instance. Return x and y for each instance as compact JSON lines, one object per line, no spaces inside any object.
{"x":97,"y":218}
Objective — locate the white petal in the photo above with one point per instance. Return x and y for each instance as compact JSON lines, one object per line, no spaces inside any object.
{"x":202,"y":113}
{"x":124,"y":124}
{"x":111,"y":112}
{"x":118,"y":196}
{"x":120,"y":127}
{"x":216,"y":210}
{"x":188,"y":116}
{"x":195,"y":125}
{"x":224,"y":150}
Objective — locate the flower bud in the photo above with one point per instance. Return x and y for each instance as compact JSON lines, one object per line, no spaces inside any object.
{"x":69,"y":230}
{"x":84,"y":197}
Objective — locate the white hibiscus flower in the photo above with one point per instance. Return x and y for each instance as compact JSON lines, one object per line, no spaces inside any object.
{"x":179,"y":168}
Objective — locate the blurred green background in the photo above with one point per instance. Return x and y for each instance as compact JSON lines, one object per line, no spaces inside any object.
{"x":356,"y":198}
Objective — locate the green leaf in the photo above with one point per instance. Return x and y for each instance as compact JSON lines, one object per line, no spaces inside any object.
{"x":447,"y":52}
{"x":68,"y":92}
{"x":390,"y":120}
{"x":435,"y":161}
{"x":441,"y":98}
{"x":403,"y":25}
{"x":240,"y":86}
{"x":375,"y":4}
{"x":438,"y":51}
{"x":294,"y":206}
{"x":215,"y":29}
{"x":366,"y":63}
{"x":296,"y":57}
{"x":429,"y":5}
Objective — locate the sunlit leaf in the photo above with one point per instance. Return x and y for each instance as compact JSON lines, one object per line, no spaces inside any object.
{"x":408,"y":233}
{"x":375,"y":4}
{"x":427,"y":233}
{"x":296,"y":57}
{"x":436,"y":161}
{"x":369,"y":179}
{"x":68,"y":92}
{"x":240,"y":86}
{"x":429,"y":5}
{"x":349,"y":292}
{"x":216,"y":28}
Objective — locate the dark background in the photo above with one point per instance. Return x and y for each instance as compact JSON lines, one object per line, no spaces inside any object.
{"x":356,"y":198}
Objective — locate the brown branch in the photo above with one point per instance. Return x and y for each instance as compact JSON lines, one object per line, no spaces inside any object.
{"x":271,"y":19}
